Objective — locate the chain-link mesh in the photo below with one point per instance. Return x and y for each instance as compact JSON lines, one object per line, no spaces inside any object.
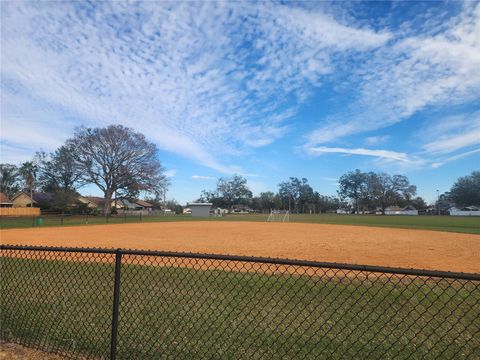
{"x":180,"y":306}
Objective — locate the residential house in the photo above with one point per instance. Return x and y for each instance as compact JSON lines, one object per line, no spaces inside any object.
{"x":5,"y":201}
{"x":92,"y":202}
{"x":395,"y":210}
{"x":240,"y":209}
{"x":39,"y":199}
{"x":144,"y":205}
{"x":125,"y":204}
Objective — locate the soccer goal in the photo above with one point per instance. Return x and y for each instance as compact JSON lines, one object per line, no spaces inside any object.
{"x":279,"y":216}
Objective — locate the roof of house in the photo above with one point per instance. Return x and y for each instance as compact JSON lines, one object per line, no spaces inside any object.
{"x":470,"y":208}
{"x":95,"y":200}
{"x":42,"y":197}
{"x":397,"y":208}
{"x":394,"y":208}
{"x":36,"y":196}
{"x":4,"y":199}
{"x":143,"y":203}
{"x":199,"y":204}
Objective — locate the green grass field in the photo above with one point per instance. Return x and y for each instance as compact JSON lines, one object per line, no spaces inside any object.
{"x":181,"y":313}
{"x":469,"y":225}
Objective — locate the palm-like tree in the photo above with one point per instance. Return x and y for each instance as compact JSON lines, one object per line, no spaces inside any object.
{"x":28,"y":170}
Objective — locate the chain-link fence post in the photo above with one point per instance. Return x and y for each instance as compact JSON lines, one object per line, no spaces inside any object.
{"x":116,"y":304}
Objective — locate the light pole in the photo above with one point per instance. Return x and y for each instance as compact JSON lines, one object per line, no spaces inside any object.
{"x":164,"y":201}
{"x":438,"y":202}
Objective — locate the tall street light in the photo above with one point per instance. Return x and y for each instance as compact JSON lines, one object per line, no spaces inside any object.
{"x":438,"y":201}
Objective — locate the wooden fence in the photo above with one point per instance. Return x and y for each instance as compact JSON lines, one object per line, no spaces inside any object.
{"x":20,"y":211}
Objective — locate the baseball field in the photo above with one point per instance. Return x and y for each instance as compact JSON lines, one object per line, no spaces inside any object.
{"x":407,"y":248}
{"x":192,"y":308}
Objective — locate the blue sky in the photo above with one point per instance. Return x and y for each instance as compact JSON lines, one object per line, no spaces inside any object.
{"x":267,"y":90}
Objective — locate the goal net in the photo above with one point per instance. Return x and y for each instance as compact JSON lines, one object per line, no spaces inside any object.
{"x":279,"y":216}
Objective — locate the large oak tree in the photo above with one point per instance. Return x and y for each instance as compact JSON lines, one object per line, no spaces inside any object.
{"x":120,"y":161}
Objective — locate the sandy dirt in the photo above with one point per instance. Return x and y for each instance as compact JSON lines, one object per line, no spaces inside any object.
{"x":10,"y":351}
{"x":422,"y":249}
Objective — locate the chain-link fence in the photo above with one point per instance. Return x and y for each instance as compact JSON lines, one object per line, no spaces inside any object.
{"x":52,"y":219}
{"x":91,"y":303}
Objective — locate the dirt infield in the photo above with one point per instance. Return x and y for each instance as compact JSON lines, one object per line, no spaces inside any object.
{"x":336,"y":243}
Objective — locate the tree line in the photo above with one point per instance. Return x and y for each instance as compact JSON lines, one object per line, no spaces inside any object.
{"x":116,"y":159}
{"x":464,"y":192}
{"x":294,"y":194}
{"x":358,"y":192}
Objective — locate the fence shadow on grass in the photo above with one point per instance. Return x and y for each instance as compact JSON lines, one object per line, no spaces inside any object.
{"x":129,"y":304}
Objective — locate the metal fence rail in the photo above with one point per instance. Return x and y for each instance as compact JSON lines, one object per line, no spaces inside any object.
{"x":56,"y":219}
{"x":132,"y":304}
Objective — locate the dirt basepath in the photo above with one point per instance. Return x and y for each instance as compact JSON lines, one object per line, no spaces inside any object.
{"x":336,"y":243}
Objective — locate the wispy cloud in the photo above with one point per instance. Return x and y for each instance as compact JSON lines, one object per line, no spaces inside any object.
{"x":202,"y":177}
{"x":409,"y":74}
{"x":376,"y":140}
{"x":170,"y":173}
{"x":200,"y":79}
{"x":382,"y":154}
{"x":452,"y":133}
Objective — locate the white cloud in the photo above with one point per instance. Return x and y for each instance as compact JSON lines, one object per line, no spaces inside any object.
{"x":409,"y":74}
{"x":376,"y":140}
{"x":170,"y":173}
{"x":452,"y":133}
{"x":452,"y":143}
{"x":202,"y":177}
{"x":382,"y":154}
{"x":455,"y":157}
{"x":200,"y":79}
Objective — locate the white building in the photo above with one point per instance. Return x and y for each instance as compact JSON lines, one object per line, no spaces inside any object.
{"x":395,"y":210}
{"x":200,"y":209}
{"x":465,"y":211}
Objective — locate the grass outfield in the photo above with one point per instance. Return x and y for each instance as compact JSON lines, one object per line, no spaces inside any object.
{"x":470,"y":225}
{"x":186,"y":314}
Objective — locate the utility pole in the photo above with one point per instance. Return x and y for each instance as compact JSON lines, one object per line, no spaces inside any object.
{"x":438,"y":202}
{"x":164,"y":201}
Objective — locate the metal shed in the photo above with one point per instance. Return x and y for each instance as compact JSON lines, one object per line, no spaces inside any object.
{"x":200,"y":209}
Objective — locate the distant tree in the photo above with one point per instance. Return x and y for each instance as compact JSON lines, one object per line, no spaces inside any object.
{"x":229,"y":192}
{"x":234,"y":190}
{"x":326,"y":203}
{"x":466,"y":190}
{"x":212,"y":196}
{"x":296,"y":194}
{"x":120,"y":161}
{"x":173,"y":205}
{"x":9,"y":179}
{"x":268,"y":201}
{"x":386,"y":190}
{"x":352,"y":185}
{"x":64,"y":199}
{"x":288,"y":191}
{"x":59,"y":170}
{"x":29,"y":171}
{"x":418,"y":203}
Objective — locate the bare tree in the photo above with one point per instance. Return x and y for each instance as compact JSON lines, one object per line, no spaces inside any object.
{"x":119,"y":161}
{"x":29,"y":171}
